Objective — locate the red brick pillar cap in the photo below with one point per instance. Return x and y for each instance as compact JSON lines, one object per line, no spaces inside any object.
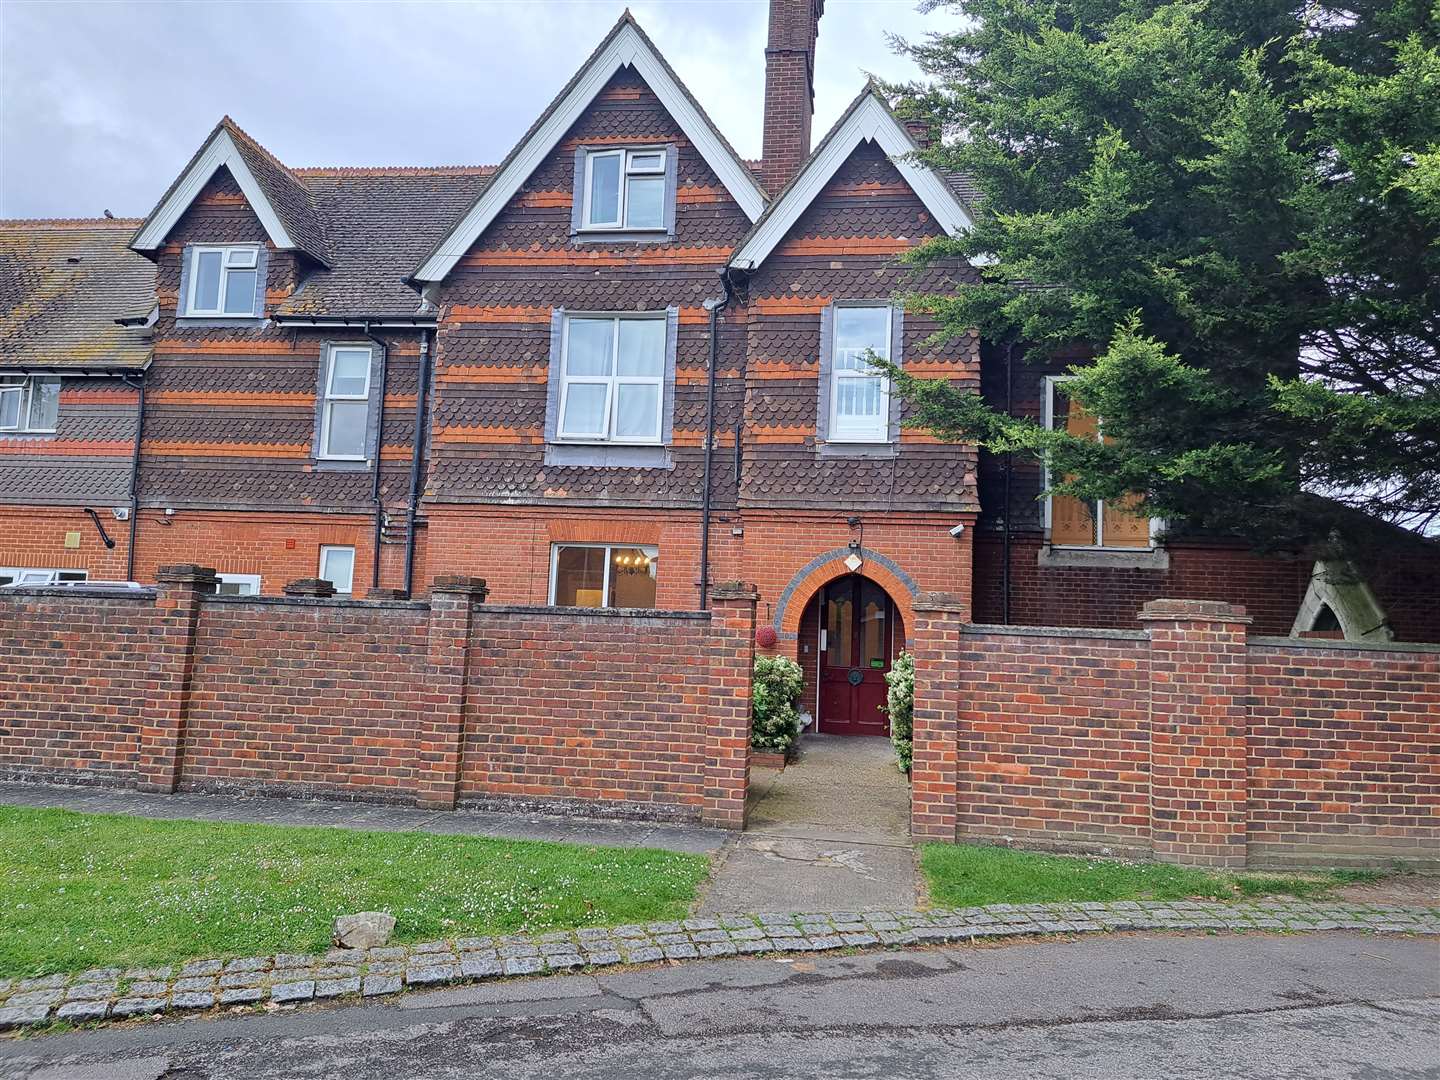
{"x":1196,"y":610}
{"x":186,"y":574}
{"x":474,"y":587}
{"x":734,"y":590}
{"x":310,"y":586}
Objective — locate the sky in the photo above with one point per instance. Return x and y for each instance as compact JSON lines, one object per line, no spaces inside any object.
{"x":103,"y":103}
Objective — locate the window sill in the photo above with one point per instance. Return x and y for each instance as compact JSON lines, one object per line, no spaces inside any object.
{"x":343,"y":464}
{"x":609,"y":455}
{"x":624,"y":236}
{"x":1156,"y":558}
{"x":201,"y":322}
{"x":839,"y":448}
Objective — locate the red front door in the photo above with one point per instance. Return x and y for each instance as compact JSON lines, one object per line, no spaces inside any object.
{"x":856,"y":643}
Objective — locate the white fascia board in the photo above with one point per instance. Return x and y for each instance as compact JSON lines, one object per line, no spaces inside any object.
{"x":871,"y":120}
{"x":627,"y":50}
{"x":221,"y":151}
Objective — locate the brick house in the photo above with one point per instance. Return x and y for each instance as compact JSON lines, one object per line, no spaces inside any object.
{"x":614,"y":370}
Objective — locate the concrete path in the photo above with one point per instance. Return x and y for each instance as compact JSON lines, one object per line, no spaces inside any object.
{"x":829,"y":833}
{"x":599,"y":832}
{"x":1311,"y":1006}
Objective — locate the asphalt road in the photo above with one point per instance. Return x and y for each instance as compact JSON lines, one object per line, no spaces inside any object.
{"x":1308,"y":1007}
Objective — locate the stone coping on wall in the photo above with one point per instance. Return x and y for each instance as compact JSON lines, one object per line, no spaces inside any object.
{"x":114,"y":993}
{"x":1054,"y":631}
{"x":1334,"y":645}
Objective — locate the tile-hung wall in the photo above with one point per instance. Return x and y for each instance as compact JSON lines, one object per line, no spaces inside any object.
{"x":845,"y":249}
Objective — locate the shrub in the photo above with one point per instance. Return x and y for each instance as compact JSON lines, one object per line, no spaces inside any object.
{"x":777,"y":685}
{"x":900,"y":706}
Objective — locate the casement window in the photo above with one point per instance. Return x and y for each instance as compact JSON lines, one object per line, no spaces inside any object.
{"x":223,"y":281}
{"x":345,"y":403}
{"x":238,"y":585}
{"x":337,"y":566}
{"x":1086,"y":523}
{"x":32,"y":575}
{"x":603,"y":575}
{"x":29,"y":405}
{"x":624,"y":189}
{"x":612,"y":379}
{"x":858,"y":394}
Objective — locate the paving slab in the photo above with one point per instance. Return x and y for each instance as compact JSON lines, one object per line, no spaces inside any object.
{"x":832,"y":831}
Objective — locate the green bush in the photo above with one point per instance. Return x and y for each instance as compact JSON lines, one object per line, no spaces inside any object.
{"x":900,"y":706}
{"x":777,"y":686}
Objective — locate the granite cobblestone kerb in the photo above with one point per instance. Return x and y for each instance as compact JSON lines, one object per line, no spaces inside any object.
{"x":291,"y":978}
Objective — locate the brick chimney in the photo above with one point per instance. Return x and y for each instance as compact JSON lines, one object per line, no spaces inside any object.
{"x":789,"y":88}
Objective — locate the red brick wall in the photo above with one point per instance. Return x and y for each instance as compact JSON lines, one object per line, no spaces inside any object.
{"x":1343,"y":754}
{"x":310,"y":697}
{"x":1270,"y":589}
{"x":75,"y":677}
{"x":35,"y":536}
{"x":566,"y":705}
{"x":1183,"y":741}
{"x":1054,"y":739}
{"x":387,"y":700}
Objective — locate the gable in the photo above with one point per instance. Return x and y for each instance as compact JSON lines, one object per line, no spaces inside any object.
{"x":625,"y":48}
{"x":537,"y":226}
{"x":278,"y":198}
{"x":868,"y":123}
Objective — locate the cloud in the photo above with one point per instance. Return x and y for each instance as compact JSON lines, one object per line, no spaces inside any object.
{"x":102,"y":103}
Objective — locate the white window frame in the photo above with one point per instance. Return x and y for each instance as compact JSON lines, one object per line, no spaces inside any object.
{"x":612,"y":382}
{"x":325,"y":550}
{"x":834,"y":433}
{"x":622,"y":203}
{"x":23,"y":388}
{"x":1048,"y":411}
{"x":329,"y":398}
{"x":251,"y":581}
{"x":39,"y":575}
{"x":651,"y":550}
{"x":225,"y":250}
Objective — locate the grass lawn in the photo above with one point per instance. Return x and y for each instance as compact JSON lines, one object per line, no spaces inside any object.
{"x":92,"y":890}
{"x":967,"y":875}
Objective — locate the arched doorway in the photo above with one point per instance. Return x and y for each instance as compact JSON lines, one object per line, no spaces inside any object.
{"x":859,"y":634}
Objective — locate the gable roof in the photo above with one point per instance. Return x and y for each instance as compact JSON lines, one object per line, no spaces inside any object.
{"x":63,"y":285}
{"x":625,"y":46}
{"x":868,"y":118}
{"x":275,"y":193}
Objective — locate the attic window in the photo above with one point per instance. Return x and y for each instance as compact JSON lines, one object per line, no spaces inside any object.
{"x":223,"y":281}
{"x":625,"y":189}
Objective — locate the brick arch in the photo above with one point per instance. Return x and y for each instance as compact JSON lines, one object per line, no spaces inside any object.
{"x":828,"y":566}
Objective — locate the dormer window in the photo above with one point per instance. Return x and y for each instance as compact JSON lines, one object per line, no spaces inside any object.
{"x":224,"y":281}
{"x":624,"y":189}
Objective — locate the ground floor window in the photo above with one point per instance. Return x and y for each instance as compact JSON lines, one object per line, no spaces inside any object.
{"x":238,"y":585}
{"x":603,"y":575}
{"x":34,"y":575}
{"x":337,"y":566}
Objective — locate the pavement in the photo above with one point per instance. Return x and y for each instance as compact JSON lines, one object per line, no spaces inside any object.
{"x":1311,"y":1006}
{"x":343,"y":814}
{"x":830,"y":832}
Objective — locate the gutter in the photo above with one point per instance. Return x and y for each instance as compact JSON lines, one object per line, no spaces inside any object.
{"x":139,"y":386}
{"x":388,"y":322}
{"x":714,"y":307}
{"x":417,"y":452}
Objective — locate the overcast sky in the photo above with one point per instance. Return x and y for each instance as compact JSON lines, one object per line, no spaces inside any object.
{"x":101,"y":104}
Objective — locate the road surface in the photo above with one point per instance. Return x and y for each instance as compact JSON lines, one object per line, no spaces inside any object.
{"x":1309,"y":1007}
